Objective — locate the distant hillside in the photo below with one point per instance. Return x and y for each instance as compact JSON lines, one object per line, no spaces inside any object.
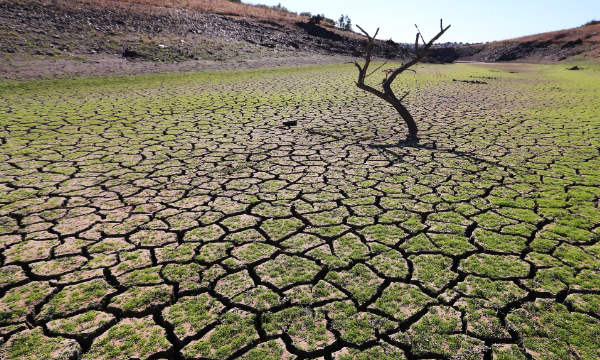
{"x":581,"y":43}
{"x":588,"y":33}
{"x":156,"y":30}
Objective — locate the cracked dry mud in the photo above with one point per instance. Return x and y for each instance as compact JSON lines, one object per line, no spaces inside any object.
{"x":172,"y":216}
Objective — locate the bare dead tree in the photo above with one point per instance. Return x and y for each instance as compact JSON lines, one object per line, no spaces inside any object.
{"x":387,"y":94}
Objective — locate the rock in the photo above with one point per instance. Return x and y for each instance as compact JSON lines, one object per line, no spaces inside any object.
{"x":471,"y":81}
{"x":128,"y":53}
{"x":290,"y":123}
{"x":315,"y":30}
{"x":571,"y":44}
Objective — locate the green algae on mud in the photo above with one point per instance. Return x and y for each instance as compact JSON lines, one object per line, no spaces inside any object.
{"x":178,"y":212}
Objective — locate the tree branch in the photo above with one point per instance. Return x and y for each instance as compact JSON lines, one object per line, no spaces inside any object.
{"x":364,"y":32}
{"x":360,"y":71}
{"x":369,"y":49}
{"x":417,"y":45}
{"x":419,"y":30}
{"x":405,"y":95}
{"x":373,"y":72}
{"x":373,"y":91}
{"x":419,"y":57}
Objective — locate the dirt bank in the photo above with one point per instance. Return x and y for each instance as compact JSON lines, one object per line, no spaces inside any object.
{"x":72,"y":37}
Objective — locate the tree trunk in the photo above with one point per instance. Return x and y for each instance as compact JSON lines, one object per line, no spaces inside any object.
{"x":390,"y":98}
{"x":408,"y":119}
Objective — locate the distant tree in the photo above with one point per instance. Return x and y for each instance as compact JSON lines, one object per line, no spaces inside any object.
{"x":390,"y":75}
{"x":306,"y":14}
{"x":348,"y":25}
{"x":344,"y":22}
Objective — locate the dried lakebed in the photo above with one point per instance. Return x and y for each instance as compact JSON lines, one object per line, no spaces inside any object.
{"x":172,"y":216}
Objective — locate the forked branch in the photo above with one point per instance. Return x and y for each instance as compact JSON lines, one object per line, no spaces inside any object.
{"x":420,"y":55}
{"x":390,"y":74}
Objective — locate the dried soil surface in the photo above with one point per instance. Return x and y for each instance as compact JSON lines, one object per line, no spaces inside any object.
{"x":174,"y":217}
{"x":26,"y":68}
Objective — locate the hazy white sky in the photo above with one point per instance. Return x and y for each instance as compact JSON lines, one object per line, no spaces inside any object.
{"x":471,"y":20}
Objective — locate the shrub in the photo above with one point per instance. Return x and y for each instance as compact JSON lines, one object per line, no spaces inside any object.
{"x":317,"y":19}
{"x":592,"y":22}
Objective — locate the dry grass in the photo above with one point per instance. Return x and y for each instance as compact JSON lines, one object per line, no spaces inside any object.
{"x":587,"y":33}
{"x":214,"y":6}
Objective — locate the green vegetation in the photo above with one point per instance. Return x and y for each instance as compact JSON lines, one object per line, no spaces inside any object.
{"x":286,"y":270}
{"x":17,"y":302}
{"x":135,"y":338}
{"x":187,"y":276}
{"x":140,"y":299}
{"x":390,"y":263}
{"x":436,"y":333}
{"x":305,"y":326}
{"x":236,"y":330}
{"x":73,"y":298}
{"x":402,"y":301}
{"x":495,"y":266}
{"x":359,"y":280}
{"x":33,"y":345}
{"x":433,"y":270}
{"x":191,"y":314}
{"x":84,"y":325}
{"x":381,"y":352}
{"x":551,"y":330}
{"x":260,"y":298}
{"x":356,"y":327}
{"x":266,"y":351}
{"x":148,"y":276}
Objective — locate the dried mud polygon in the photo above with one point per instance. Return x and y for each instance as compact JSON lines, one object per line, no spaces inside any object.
{"x":172,"y":216}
